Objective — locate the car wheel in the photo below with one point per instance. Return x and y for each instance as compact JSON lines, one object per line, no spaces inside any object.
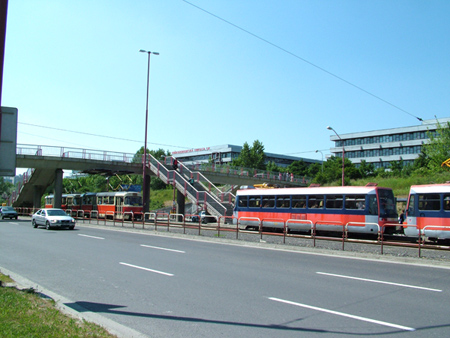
{"x":33,"y":222}
{"x":47,"y":225}
{"x":16,"y":217}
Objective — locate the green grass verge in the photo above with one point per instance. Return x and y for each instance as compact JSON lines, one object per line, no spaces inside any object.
{"x":5,"y":279}
{"x":26,"y":314}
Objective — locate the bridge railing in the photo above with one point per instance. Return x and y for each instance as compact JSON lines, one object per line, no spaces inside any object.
{"x":272,"y":176}
{"x":68,"y":152}
{"x":19,"y":185}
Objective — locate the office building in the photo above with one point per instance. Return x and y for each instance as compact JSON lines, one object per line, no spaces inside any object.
{"x":380,"y":147}
{"x":225,"y":154}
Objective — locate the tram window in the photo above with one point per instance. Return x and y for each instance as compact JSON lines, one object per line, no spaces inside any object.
{"x":447,"y":202}
{"x":298,"y":202}
{"x":373,"y":205}
{"x":243,"y":201}
{"x":89,"y":200}
{"x":334,"y":201}
{"x":64,"y":200}
{"x":254,"y":202}
{"x":430,"y":202}
{"x":283,"y":201}
{"x":268,"y":201}
{"x":111,"y":200}
{"x":354,"y":202}
{"x":315,"y":201}
{"x":133,"y":200}
{"x":412,"y":206}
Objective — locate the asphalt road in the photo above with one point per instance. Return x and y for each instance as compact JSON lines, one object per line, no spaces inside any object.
{"x":187,"y":286}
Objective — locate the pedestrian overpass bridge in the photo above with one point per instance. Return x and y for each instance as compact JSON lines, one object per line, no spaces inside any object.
{"x":197,"y":182}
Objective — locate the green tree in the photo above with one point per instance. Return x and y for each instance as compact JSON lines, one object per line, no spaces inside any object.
{"x":5,"y":189}
{"x":421,"y":162}
{"x":298,"y":168}
{"x":251,"y":157}
{"x":438,"y":149}
{"x":332,"y":172}
{"x":314,"y":169}
{"x":396,"y":168}
{"x":271,"y":166}
{"x":366,"y":169}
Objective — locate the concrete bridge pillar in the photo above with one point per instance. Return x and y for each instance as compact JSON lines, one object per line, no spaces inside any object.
{"x":58,"y":188}
{"x":38,"y":190}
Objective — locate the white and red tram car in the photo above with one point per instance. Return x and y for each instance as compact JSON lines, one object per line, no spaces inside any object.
{"x":428,"y":211}
{"x":362,"y":208}
{"x":119,"y":204}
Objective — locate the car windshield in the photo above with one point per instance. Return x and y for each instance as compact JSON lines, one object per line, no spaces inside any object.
{"x":56,"y":213}
{"x":8,"y":209}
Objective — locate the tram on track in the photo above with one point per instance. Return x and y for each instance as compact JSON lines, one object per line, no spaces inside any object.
{"x":120,"y":204}
{"x":428,"y":211}
{"x":361,"y":209}
{"x":68,"y":201}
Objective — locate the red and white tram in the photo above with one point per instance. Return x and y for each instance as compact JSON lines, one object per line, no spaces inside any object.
{"x":360,"y":209}
{"x":428,"y":211}
{"x":68,"y":201}
{"x":121,"y":204}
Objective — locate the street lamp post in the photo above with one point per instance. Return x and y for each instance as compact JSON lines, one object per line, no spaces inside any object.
{"x":343,"y":152}
{"x":318,"y":151}
{"x":145,"y":196}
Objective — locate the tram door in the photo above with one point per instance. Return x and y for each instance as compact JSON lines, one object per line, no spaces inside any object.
{"x":119,"y":204}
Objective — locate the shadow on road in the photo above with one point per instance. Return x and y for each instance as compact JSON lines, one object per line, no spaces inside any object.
{"x":82,"y":306}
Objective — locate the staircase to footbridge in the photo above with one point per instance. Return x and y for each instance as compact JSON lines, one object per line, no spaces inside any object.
{"x":197,"y":182}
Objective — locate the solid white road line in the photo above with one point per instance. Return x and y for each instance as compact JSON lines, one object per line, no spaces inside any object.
{"x":379,"y":322}
{"x":379,"y":281}
{"x":147,"y":269}
{"x":159,"y":248}
{"x":90,"y":236}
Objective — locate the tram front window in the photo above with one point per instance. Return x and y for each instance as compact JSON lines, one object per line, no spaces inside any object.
{"x":133,"y":200}
{"x":387,"y":203}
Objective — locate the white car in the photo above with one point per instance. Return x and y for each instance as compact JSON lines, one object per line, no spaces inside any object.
{"x":52,"y":218}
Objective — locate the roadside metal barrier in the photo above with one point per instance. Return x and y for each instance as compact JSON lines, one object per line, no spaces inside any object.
{"x":298,"y":221}
{"x":306,"y":228}
{"x":421,"y":238}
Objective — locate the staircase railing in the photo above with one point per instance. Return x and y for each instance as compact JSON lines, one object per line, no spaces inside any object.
{"x":197,"y":176}
{"x":187,"y":188}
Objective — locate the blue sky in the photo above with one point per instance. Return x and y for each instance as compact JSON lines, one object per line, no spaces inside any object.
{"x":275,"y":71}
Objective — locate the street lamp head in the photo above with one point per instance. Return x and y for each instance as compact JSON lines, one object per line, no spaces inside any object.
{"x":329,"y":128}
{"x":317,"y":151}
{"x":149,"y":52}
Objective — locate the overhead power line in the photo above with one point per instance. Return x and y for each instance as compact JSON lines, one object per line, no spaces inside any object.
{"x":302,"y":59}
{"x":98,"y":135}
